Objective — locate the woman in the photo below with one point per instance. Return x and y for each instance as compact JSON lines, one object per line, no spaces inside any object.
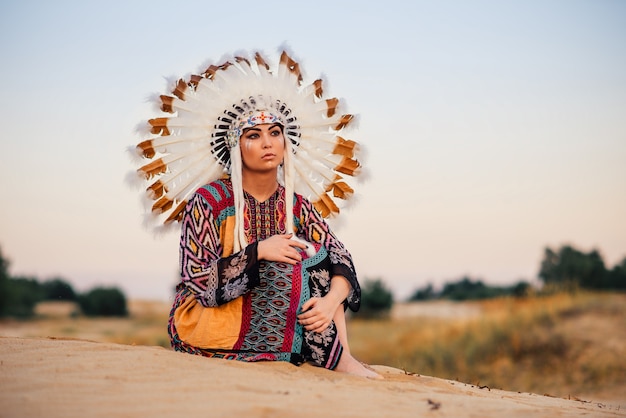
{"x":262,"y":275}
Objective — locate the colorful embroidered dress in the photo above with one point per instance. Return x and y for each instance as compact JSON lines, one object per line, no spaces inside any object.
{"x":235,"y":306}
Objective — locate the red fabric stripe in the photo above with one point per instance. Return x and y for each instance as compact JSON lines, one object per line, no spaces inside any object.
{"x":246,"y":317}
{"x":296,"y":290}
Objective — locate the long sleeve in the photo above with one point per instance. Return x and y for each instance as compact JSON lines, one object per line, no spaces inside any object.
{"x":314,"y":228}
{"x":213,"y":279}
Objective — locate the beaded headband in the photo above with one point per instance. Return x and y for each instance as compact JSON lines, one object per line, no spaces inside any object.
{"x":258,"y":118}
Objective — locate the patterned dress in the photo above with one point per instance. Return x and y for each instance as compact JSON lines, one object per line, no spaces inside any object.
{"x":234,"y":306}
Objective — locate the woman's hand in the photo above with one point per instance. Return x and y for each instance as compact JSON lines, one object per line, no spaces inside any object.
{"x":280,"y":248}
{"x":317,"y":313}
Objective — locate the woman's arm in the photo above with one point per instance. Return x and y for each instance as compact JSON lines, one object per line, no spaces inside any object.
{"x":315,"y":229}
{"x":212,"y":278}
{"x":319,"y":312}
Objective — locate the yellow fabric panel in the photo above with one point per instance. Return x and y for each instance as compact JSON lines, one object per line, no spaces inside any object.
{"x":218,"y":327}
{"x":227,"y":236}
{"x":209,"y":327}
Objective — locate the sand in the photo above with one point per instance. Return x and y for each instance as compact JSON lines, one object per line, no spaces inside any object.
{"x":51,"y":377}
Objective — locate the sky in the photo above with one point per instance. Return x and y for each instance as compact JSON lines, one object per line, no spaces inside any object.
{"x":493,"y":129}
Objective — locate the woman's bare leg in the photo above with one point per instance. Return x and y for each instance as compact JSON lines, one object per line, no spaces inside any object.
{"x":347,"y":363}
{"x":342,"y":330}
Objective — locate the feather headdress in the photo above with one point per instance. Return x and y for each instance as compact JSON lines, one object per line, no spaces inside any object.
{"x":192,"y":143}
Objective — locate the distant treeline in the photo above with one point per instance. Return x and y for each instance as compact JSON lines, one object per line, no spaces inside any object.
{"x":468,"y":289}
{"x":565,"y":269}
{"x":19,"y":295}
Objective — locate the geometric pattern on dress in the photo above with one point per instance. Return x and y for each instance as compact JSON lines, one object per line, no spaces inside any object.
{"x":201,"y":275}
{"x":271,"y":307}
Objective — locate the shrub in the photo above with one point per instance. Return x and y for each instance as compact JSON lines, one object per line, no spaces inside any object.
{"x":58,"y":289}
{"x":103,"y":301}
{"x":22,"y":294}
{"x":425,"y":293}
{"x":376,"y":299}
{"x":4,"y":285}
{"x":468,"y":289}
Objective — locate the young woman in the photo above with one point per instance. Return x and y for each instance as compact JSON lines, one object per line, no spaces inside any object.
{"x":262,"y":275}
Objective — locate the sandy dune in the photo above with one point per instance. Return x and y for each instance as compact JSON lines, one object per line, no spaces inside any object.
{"x":77,"y":378}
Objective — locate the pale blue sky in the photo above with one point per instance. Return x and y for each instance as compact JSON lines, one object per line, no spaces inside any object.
{"x":493,"y":129}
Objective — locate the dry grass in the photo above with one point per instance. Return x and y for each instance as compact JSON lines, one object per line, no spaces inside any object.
{"x":563,"y":345}
{"x":146,"y":324}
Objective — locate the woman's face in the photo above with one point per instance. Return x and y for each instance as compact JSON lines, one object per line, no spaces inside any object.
{"x":262,"y":148}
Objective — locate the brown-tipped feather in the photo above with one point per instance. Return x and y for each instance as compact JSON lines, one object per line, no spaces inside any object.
{"x":321,"y":208}
{"x":347,"y":166}
{"x":260,"y":61}
{"x":194,"y":79}
{"x":162,"y":205}
{"x":344,"y":147}
{"x":152,"y":169}
{"x":325,"y":206}
{"x":146,"y":148}
{"x":292,"y":66}
{"x":177,"y":213}
{"x":332,"y":106}
{"x":159,"y":126}
{"x":210,"y":72}
{"x":166,"y":103}
{"x":157,"y":189}
{"x":340,"y":188}
{"x":344,"y":121}
{"x":318,"y":88}
{"x":242,"y":59}
{"x":179,"y":90}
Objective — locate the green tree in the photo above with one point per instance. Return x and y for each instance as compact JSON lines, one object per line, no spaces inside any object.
{"x":549,"y":270}
{"x":103,"y":301}
{"x":616,"y":277}
{"x":376,"y":299}
{"x":570,"y":266}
